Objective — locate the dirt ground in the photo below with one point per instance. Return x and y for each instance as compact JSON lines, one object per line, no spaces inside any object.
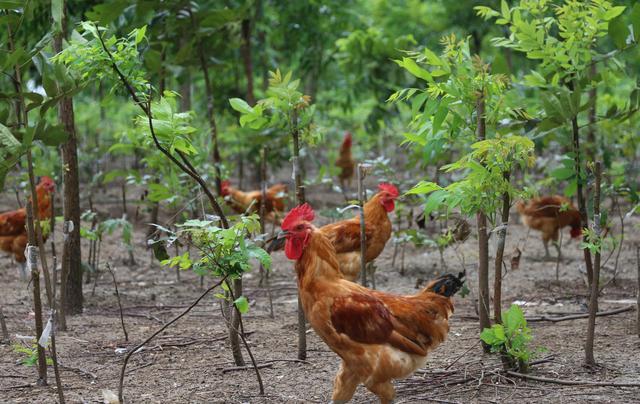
{"x":191,"y":361}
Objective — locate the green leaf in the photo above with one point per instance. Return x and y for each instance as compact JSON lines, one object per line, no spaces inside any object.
{"x":504,"y":9}
{"x":240,"y":105}
{"x":618,"y":32}
{"x":140,"y":33}
{"x":635,"y":21}
{"x":440,"y":116}
{"x":106,"y":13}
{"x":563,"y":173}
{"x":413,"y":68}
{"x":242,"y":304}
{"x":423,"y":187}
{"x":613,"y":12}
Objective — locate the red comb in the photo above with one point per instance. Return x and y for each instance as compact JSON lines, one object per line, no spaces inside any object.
{"x":347,"y":139}
{"x":389,"y":188}
{"x":302,"y":212}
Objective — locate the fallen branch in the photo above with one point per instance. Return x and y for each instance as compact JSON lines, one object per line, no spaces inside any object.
{"x":19,"y":386}
{"x":556,"y":319}
{"x":570,"y":382}
{"x":132,"y":351}
{"x":264,"y":365}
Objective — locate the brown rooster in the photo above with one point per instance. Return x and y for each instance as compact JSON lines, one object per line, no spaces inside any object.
{"x":549,"y":214}
{"x":13,"y":231}
{"x":241,"y":201}
{"x":379,"y":336}
{"x":345,"y":234}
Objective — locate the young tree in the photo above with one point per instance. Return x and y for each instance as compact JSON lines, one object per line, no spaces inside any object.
{"x":71,"y":294}
{"x":285,"y":109}
{"x":568,"y":41}
{"x":460,"y":86}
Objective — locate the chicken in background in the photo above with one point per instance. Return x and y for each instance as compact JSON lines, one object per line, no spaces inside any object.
{"x":345,"y":234}
{"x":379,"y":336}
{"x":13,"y":224}
{"x":249,"y":202}
{"x":549,"y":214}
{"x":346,"y":163}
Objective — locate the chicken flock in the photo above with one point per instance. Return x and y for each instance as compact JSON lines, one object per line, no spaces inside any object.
{"x":378,"y":336}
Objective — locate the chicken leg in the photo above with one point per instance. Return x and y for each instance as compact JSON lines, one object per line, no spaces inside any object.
{"x":345,"y":385}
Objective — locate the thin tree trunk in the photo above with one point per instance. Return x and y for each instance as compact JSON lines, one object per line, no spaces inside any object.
{"x":32,"y":262}
{"x":300,"y":199}
{"x":234,"y":338}
{"x":262,"y":46}
{"x":483,"y":238}
{"x":71,"y":290}
{"x":591,"y":134}
{"x":215,"y":151}
{"x":582,"y":206}
{"x":593,"y":300}
{"x":245,"y":49}
{"x":638,"y":291}
{"x":502,"y":238}
{"x":3,"y":327}
{"x":363,"y":241}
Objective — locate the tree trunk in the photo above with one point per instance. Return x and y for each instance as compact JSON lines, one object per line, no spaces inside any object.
{"x":591,"y":134}
{"x":593,"y":299}
{"x":215,"y":151}
{"x":483,"y":238}
{"x":582,"y":206}
{"x":32,"y":262}
{"x":71,"y":258}
{"x":234,"y":336}
{"x":638,"y":291}
{"x":363,"y":242}
{"x":502,"y":238}
{"x":300,"y":199}
{"x":245,"y":49}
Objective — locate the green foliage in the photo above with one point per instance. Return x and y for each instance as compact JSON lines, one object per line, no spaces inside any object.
{"x":511,"y":338}
{"x":87,"y":58}
{"x":561,"y":36}
{"x":30,"y":354}
{"x":484,"y":181}
{"x":107,"y":227}
{"x":277,"y":110}
{"x":223,"y":252}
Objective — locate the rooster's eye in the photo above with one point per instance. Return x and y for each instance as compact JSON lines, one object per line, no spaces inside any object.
{"x":299,"y":227}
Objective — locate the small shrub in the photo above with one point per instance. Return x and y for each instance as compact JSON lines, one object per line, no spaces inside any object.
{"x":511,"y":339}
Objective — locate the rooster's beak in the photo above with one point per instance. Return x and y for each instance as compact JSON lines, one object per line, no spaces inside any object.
{"x":282,"y":234}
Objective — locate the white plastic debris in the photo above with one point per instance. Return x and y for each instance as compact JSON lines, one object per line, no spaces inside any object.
{"x":109,"y":397}
{"x":44,"y":338}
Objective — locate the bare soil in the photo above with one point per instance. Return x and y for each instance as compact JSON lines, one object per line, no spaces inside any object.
{"x":191,"y":361}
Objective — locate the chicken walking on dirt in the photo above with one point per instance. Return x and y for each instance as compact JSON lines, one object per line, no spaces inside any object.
{"x":243,"y":202}
{"x":345,"y":235}
{"x":549,"y":214}
{"x":13,"y":230}
{"x":379,"y":336}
